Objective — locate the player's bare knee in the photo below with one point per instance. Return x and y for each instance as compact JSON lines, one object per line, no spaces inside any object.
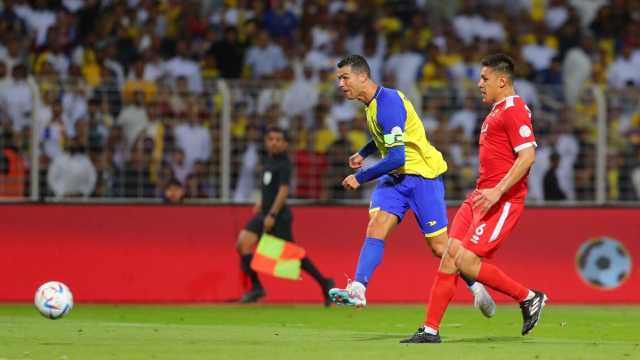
{"x":380,"y":225}
{"x":448,"y":265}
{"x":438,"y":244}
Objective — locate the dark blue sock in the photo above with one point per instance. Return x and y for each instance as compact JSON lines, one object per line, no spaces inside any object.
{"x":370,"y":256}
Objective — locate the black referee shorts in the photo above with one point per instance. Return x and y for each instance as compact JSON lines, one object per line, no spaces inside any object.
{"x":281,"y":228}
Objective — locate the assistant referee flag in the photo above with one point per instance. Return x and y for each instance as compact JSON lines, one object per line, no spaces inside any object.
{"x":277,"y":257}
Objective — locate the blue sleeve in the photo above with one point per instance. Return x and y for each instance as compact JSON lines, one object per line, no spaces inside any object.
{"x":393,"y":160}
{"x":368,"y":149}
{"x":392,"y":116}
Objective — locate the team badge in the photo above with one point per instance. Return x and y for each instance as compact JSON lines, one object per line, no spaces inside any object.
{"x":525,"y":131}
{"x":266,"y":178}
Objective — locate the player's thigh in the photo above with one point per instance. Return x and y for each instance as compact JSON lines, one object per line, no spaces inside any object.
{"x":462,"y":220}
{"x":388,"y":207}
{"x":486,"y":234}
{"x":429,"y":207}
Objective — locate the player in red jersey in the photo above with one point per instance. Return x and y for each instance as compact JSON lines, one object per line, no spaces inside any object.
{"x":487,"y":216}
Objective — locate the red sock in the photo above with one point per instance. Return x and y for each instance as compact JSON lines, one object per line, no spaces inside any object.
{"x":494,"y":278}
{"x":444,"y":287}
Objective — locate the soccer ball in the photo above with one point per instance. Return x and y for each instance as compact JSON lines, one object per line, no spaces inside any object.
{"x":53,"y":300}
{"x":604,"y":263}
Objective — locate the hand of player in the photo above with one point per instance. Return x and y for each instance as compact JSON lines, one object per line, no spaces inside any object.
{"x":268,"y":223}
{"x":485,"y":199}
{"x":350,"y":182}
{"x":355,"y":161}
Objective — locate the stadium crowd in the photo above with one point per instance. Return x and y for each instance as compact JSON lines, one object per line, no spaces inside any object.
{"x":123,"y":96}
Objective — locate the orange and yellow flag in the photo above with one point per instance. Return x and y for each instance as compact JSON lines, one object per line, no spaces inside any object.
{"x":278,"y":257}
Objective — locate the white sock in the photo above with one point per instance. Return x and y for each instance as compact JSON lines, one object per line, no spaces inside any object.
{"x":530,"y":295}
{"x":430,"y":330}
{"x":476,"y":288}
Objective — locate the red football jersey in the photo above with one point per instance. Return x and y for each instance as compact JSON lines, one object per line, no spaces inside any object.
{"x":505,"y":131}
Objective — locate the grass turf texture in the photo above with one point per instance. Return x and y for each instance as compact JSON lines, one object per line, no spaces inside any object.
{"x":311,"y":332}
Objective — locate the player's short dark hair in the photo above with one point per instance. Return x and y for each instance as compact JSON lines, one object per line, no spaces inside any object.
{"x":357,"y":62}
{"x":279,"y":130}
{"x":501,"y":63}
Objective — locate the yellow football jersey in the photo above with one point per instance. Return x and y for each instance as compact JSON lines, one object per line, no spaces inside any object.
{"x":393,"y":121}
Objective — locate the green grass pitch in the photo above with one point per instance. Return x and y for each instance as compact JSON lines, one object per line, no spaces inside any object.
{"x":291,"y":332}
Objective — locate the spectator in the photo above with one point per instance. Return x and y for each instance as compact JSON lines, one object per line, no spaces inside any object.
{"x":134,"y":180}
{"x":337,"y":169}
{"x":193,"y":137}
{"x":552,"y":190}
{"x":229,"y":53}
{"x":133,"y":119}
{"x":72,"y":174}
{"x":246,"y":185}
{"x":38,"y":18}
{"x":311,"y":166}
{"x":623,"y":71}
{"x":53,"y":134}
{"x":576,"y":69}
{"x":136,"y":82}
{"x":74,"y":104}
{"x":182,"y":65}
{"x":280,"y":21}
{"x":465,"y":118}
{"x":12,"y":170}
{"x":302,"y":95}
{"x":265,"y":60}
{"x":14,"y":52}
{"x":19,"y":99}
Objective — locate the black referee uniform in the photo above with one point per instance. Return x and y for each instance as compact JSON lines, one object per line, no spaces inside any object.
{"x":277,"y":172}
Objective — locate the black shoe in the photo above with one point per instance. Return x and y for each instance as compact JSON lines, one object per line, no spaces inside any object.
{"x":252,"y":296}
{"x":531,"y":310}
{"x":327,"y":285}
{"x":421,"y":337}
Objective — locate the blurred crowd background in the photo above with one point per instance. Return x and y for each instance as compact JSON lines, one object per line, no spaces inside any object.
{"x":167,"y":99}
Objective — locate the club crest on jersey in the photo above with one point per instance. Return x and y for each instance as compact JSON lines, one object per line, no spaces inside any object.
{"x":266,"y":178}
{"x":524,"y":131}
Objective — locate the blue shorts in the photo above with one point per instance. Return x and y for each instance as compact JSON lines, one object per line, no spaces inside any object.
{"x":397,"y":193}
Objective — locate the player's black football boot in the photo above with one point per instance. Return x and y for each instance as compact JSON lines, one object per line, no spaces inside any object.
{"x":531,"y":310}
{"x":422,"y":337}
{"x":252,"y":296}
{"x":327,"y":285}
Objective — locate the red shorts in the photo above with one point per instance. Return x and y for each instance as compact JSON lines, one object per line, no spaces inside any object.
{"x":483,"y":235}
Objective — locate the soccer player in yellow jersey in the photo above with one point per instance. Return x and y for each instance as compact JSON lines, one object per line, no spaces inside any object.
{"x":409,"y":176}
